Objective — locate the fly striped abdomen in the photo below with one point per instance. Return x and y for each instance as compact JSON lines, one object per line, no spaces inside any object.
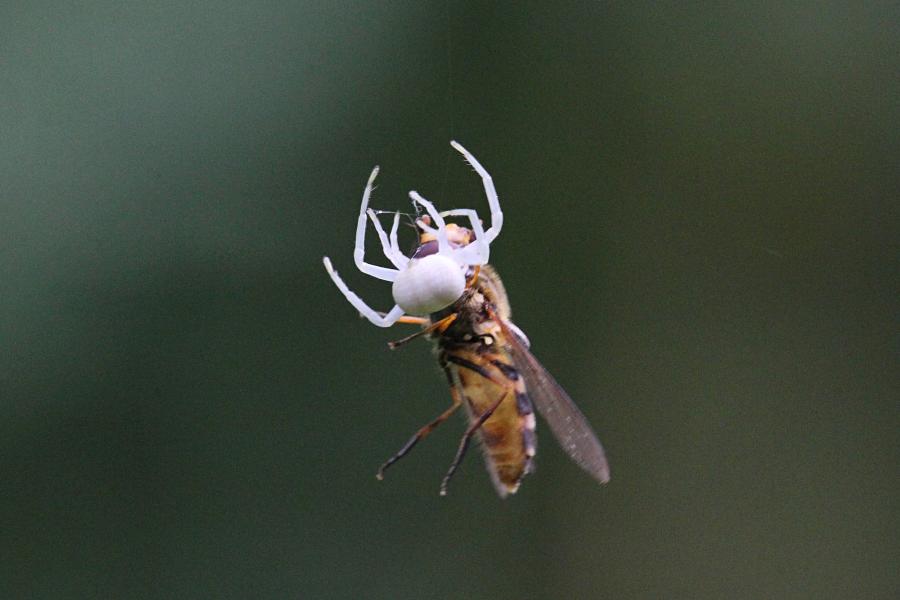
{"x":488,"y":379}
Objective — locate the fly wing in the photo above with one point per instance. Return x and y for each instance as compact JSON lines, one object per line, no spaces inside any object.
{"x":566,"y":421}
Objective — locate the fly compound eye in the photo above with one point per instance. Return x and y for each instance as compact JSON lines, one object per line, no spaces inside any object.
{"x":428,"y":284}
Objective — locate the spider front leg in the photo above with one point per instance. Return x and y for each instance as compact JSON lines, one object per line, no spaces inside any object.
{"x":395,"y":245}
{"x":391,"y":248}
{"x":489,"y":190}
{"x":477,"y":252}
{"x":443,"y":243}
{"x":359,"y":304}
{"x":359,"y":250}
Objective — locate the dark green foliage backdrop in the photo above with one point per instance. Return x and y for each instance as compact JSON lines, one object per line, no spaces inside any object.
{"x":701,"y":241}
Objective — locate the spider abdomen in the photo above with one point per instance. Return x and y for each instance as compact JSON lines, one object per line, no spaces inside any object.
{"x":428,"y":284}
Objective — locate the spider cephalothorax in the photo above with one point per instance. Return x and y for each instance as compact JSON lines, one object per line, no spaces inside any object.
{"x":429,"y":280}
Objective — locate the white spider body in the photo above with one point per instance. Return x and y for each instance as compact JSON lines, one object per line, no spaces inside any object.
{"x":428,"y":284}
{"x":430,"y":281}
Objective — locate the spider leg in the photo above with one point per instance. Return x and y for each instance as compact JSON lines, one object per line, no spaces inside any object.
{"x":358,"y":303}
{"x":398,"y":259}
{"x":395,"y":245}
{"x":478,"y":252}
{"x":424,"y":223}
{"x":359,"y":251}
{"x":443,"y":243}
{"x":424,"y":227}
{"x":490,"y":192}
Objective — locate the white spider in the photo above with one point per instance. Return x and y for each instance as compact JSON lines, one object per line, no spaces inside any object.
{"x":427,"y":284}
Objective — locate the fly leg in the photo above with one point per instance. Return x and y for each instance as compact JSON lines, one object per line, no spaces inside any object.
{"x":422,"y":433}
{"x":436,"y":326}
{"x":475,"y":271}
{"x":413,"y":320}
{"x":507,"y":386}
{"x":464,"y":442}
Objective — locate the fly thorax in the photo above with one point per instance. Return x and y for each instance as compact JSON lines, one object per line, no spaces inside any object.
{"x":428,"y":284}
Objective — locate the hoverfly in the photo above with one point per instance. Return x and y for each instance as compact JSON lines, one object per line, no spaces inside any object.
{"x":448,"y":287}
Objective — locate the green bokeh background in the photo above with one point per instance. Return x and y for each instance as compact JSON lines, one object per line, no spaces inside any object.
{"x":701,"y":240}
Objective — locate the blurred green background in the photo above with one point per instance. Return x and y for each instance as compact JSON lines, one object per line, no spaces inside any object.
{"x":701,"y":241}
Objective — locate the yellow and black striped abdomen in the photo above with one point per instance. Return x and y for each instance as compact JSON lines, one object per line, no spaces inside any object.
{"x":487,"y":379}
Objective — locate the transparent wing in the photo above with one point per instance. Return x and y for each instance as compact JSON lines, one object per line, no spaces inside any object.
{"x":567,"y":423}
